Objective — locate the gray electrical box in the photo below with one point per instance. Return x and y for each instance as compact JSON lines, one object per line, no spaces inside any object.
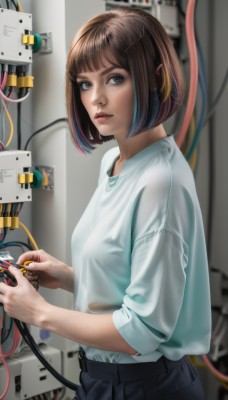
{"x":15,"y":37}
{"x":28,"y":376}
{"x":15,"y":185}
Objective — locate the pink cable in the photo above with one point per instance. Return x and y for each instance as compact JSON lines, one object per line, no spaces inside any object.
{"x":3,"y":358}
{"x":2,"y":396}
{"x":190,"y":34}
{"x":3,"y":83}
{"x":214,"y":371}
{"x":16,"y":340}
{"x":13,"y":100}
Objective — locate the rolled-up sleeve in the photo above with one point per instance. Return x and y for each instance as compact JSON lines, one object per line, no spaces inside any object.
{"x":153,"y":299}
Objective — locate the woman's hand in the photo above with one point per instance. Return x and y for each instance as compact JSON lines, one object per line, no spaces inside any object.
{"x":47,"y":270}
{"x":22,"y":301}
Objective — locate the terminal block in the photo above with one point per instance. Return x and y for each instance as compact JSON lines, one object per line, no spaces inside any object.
{"x":15,"y":176}
{"x":16,"y":40}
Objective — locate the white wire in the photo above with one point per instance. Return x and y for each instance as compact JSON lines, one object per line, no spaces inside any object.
{"x":13,"y":100}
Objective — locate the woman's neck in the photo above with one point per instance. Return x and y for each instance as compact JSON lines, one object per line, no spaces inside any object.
{"x":131,"y":146}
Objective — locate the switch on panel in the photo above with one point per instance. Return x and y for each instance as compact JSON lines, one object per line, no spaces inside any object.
{"x":15,"y":176}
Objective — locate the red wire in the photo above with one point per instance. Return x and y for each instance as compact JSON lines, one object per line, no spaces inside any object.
{"x":3,"y":358}
{"x":16,"y":341}
{"x":190,"y":34}
{"x":214,"y":371}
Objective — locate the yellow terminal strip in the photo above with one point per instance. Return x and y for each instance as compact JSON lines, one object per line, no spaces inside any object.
{"x":11,"y":80}
{"x":15,"y":223}
{"x":25,"y":81}
{"x":28,"y":39}
{"x":21,"y":179}
{"x":7,"y":222}
{"x":1,"y":222}
{"x":29,"y":177}
{"x":24,"y":39}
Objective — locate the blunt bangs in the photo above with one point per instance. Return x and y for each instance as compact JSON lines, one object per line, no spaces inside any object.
{"x":136,"y":41}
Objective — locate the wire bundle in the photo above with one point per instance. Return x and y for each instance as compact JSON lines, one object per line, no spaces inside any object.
{"x":4,"y":273}
{"x":192,"y":124}
{"x":9,"y":217}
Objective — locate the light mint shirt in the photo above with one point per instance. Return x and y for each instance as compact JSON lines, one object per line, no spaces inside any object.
{"x":139,"y":253}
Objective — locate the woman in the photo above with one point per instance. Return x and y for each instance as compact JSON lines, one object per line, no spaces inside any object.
{"x":140,"y":273}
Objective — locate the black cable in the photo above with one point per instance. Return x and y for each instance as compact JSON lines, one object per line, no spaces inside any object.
{"x":179,"y":7}
{"x":43,"y":129}
{"x":6,"y":333}
{"x":211,"y":146}
{"x":22,"y":327}
{"x":19,"y":126}
{"x":16,"y":7}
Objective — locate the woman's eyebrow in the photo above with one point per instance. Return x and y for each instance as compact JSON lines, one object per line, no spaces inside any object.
{"x":105,"y":71}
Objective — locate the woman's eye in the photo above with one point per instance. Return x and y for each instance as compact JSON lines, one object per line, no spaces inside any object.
{"x":84,"y":85}
{"x":116,"y":79}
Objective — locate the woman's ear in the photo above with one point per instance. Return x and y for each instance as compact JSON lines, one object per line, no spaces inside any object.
{"x":158,"y":69}
{"x":157,"y":78}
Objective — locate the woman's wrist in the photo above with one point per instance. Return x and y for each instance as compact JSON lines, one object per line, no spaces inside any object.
{"x":67,"y":281}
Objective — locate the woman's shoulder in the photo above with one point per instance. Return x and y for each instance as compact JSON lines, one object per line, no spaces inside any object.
{"x":109,"y":157}
{"x":108,"y":160}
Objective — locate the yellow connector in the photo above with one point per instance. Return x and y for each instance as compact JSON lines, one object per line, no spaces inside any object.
{"x":29,"y":177}
{"x":21,"y":179}
{"x":27,"y":262}
{"x":1,"y":222}
{"x":25,"y":81}
{"x":24,"y":39}
{"x":7,"y":221}
{"x":28,"y":39}
{"x":11,"y":80}
{"x":15,"y":223}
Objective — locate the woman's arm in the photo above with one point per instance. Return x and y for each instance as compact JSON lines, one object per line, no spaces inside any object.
{"x":26,"y":304}
{"x":94,"y":330}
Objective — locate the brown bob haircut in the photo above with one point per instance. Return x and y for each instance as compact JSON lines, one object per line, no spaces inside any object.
{"x":136,"y":41}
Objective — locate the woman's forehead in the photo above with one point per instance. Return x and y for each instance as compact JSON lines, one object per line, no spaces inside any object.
{"x":98,"y":62}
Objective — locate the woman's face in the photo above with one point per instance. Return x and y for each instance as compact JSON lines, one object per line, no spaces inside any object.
{"x":108,"y":97}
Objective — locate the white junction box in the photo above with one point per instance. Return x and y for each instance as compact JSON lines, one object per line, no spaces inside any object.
{"x":15,"y":34}
{"x":28,"y":376}
{"x":15,"y":176}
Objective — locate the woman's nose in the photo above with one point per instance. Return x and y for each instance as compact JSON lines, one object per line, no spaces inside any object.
{"x":98,"y":96}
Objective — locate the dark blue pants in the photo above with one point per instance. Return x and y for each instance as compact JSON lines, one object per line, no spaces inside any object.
{"x":161,"y":380}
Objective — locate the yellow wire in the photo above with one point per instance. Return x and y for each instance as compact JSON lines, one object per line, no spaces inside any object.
{"x":188,"y":137}
{"x":19,"y":6}
{"x":193,"y":160}
{"x":31,"y":238}
{"x":10,"y":122}
{"x":195,"y":362}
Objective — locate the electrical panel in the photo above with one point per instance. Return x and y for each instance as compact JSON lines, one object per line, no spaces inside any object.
{"x":167,"y":14}
{"x":165,"y":11}
{"x":15,"y":176}
{"x":28,"y":377}
{"x":15,"y":37}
